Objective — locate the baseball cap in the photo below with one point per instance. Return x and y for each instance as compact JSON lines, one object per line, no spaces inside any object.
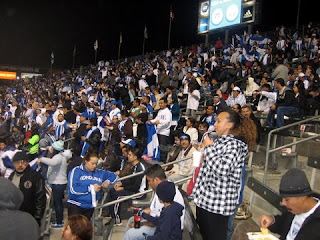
{"x":84,"y":114}
{"x":236,"y":89}
{"x":129,"y":142}
{"x":113,"y":102}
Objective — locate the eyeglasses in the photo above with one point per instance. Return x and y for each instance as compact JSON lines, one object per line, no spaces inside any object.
{"x":21,"y":162}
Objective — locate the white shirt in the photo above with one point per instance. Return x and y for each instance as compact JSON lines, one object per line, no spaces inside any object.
{"x":156,"y":206}
{"x":193,"y":101}
{"x":115,"y":112}
{"x":298,"y":221}
{"x":192,"y":132}
{"x":165,"y":118}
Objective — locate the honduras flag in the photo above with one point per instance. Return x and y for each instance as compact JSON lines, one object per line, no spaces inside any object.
{"x":152,"y":149}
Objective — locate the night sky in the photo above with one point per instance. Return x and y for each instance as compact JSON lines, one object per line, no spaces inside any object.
{"x":30,"y":30}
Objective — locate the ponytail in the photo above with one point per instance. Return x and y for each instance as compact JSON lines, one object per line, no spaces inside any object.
{"x":243,"y":128}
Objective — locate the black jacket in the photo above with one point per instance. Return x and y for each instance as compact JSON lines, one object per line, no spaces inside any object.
{"x":94,"y":140}
{"x":32,"y":187}
{"x":286,"y":98}
{"x":133,"y":184}
{"x":308,"y":231}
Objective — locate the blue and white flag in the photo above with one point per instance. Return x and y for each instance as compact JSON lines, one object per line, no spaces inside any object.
{"x":152,"y":149}
{"x":261,"y":41}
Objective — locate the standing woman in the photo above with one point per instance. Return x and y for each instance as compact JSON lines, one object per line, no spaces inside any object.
{"x":57,"y":177}
{"x":216,"y":191}
{"x":193,"y":100}
{"x":80,"y":179}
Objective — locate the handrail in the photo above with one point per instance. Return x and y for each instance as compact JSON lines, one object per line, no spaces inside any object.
{"x":164,"y":165}
{"x":268,"y":151}
{"x":125,"y":199}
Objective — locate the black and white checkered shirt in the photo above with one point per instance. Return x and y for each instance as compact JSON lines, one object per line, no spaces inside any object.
{"x":218,"y":183}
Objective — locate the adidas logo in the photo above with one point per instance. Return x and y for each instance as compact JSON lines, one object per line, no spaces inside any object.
{"x":248,"y":14}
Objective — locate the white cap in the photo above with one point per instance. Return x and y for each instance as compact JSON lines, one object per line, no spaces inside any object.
{"x":236,"y":89}
{"x":301,"y":74}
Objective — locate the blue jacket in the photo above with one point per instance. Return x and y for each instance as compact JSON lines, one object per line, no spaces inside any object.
{"x":168,"y":225}
{"x":80,"y":179}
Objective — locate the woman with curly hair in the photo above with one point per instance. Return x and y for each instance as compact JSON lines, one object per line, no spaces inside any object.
{"x":216,"y":192}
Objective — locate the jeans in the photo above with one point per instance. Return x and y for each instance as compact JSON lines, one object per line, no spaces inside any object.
{"x":58,"y":194}
{"x":138,"y":233}
{"x":281,"y":112}
{"x":230,"y":223}
{"x":191,"y":112}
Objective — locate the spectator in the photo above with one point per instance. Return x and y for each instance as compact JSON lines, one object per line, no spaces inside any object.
{"x":31,"y":185}
{"x":193,"y":100}
{"x":219,"y":103}
{"x":25,"y":226}
{"x":155,"y":175}
{"x":300,"y":220}
{"x":246,"y":111}
{"x":81,"y":179}
{"x":285,"y":104}
{"x":190,"y":129}
{"x":266,"y":99}
{"x":129,"y":186}
{"x":185,"y":168}
{"x":232,"y":152}
{"x":281,"y":71}
{"x":236,"y":97}
{"x":163,"y":123}
{"x":92,"y":138}
{"x":57,"y":177}
{"x":251,"y":86}
{"x":78,"y":227}
{"x":168,"y":225}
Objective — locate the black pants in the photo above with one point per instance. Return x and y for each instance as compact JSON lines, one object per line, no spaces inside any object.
{"x":115,"y":209}
{"x":74,"y":210}
{"x":212,"y":226}
{"x":163,"y":143}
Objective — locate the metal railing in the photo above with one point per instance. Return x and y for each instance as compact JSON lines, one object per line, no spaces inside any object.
{"x":162,"y":165}
{"x":268,"y":150}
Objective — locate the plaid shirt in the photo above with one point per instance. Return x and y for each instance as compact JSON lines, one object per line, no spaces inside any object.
{"x":218,"y":183}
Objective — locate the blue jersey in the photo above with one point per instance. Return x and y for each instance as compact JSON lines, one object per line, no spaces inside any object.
{"x":80,"y":179}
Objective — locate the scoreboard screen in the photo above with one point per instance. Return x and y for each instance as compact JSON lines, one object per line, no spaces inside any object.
{"x":217,"y":14}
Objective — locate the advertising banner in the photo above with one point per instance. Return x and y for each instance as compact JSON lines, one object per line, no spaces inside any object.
{"x":204,"y":10}
{"x":8,"y":75}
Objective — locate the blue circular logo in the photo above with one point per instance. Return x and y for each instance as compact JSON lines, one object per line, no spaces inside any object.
{"x":205,"y":8}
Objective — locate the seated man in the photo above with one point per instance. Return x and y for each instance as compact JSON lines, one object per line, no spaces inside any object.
{"x":128,"y":186}
{"x":285,"y":104}
{"x":185,"y":168}
{"x":155,"y":175}
{"x":236,"y":98}
{"x":302,"y":218}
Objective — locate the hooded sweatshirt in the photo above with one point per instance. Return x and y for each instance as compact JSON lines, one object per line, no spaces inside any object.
{"x":252,"y":86}
{"x":168,"y":225}
{"x":57,"y":170}
{"x":11,"y":219}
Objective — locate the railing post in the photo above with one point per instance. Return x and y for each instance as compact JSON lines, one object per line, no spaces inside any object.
{"x":267,"y":159}
{"x":93,"y":220}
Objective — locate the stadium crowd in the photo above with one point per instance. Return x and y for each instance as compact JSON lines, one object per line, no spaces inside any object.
{"x":81,"y":130}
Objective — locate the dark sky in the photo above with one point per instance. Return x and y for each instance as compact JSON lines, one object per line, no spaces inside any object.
{"x":30,"y":30}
